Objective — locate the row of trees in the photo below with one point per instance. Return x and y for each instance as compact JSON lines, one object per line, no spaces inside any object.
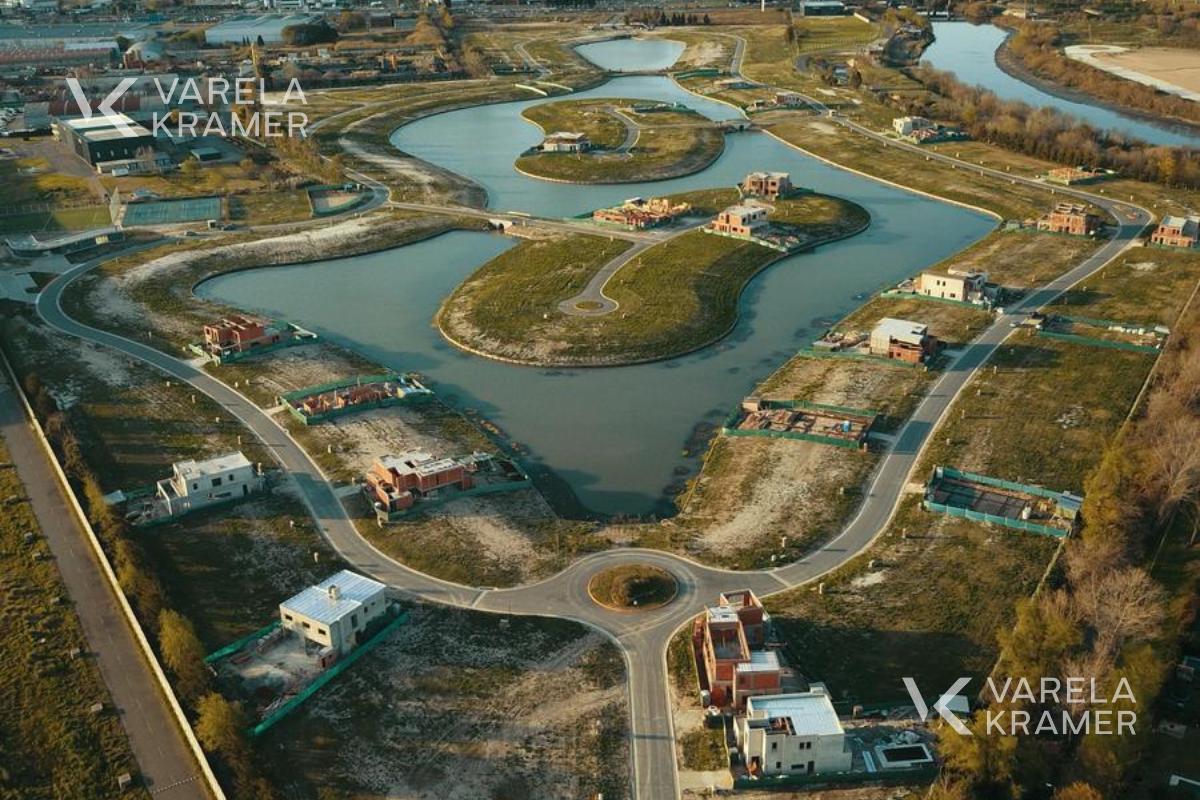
{"x":1106,"y":616}
{"x":220,"y":724}
{"x":1037,"y":46}
{"x":1046,"y":133}
{"x":658,"y":17}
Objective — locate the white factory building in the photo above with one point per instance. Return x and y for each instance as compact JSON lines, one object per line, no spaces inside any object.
{"x":196,"y":484}
{"x":335,"y":612}
{"x":793,"y":734}
{"x":246,"y":28}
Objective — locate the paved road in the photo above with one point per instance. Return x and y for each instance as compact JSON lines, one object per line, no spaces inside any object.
{"x":643,"y":637}
{"x":164,"y":760}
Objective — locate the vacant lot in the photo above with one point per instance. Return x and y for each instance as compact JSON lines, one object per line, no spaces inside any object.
{"x":1071,"y":398}
{"x":954,"y":324}
{"x":1021,"y":260}
{"x":1148,"y":285}
{"x":464,"y":705}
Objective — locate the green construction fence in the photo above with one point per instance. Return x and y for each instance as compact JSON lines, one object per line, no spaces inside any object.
{"x":1007,"y":522}
{"x":888,"y":777}
{"x":328,"y":675}
{"x":230,"y":649}
{"x":417,"y":392}
{"x":728,"y":427}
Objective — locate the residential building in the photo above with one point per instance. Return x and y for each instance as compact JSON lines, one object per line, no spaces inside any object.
{"x":906,"y":125}
{"x":789,"y":99}
{"x":638,"y":212}
{"x":565,"y":142}
{"x":729,"y":638}
{"x":395,"y":482}
{"x":902,"y":340}
{"x":101,"y":138}
{"x":793,"y":734}
{"x":238,"y":333}
{"x":767,"y":185}
{"x":336,"y":611}
{"x":1070,"y":176}
{"x":197,"y":484}
{"x":1072,"y":218}
{"x":953,"y":284}
{"x":744,"y":221}
{"x":1177,"y":232}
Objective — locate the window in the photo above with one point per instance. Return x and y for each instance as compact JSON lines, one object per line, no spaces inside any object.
{"x":288,"y":617}
{"x":778,"y":765}
{"x":195,"y":487}
{"x":354,"y":620}
{"x":306,"y":626}
{"x":320,"y":631}
{"x":216,"y":482}
{"x":774,"y":745}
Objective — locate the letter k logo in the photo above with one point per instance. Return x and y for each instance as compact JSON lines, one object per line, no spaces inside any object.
{"x":115,"y":118}
{"x":940,"y":705}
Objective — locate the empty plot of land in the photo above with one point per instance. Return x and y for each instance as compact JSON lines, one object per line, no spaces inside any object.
{"x":1166,"y":69}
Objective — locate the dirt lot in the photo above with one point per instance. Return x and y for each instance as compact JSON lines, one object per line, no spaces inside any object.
{"x":466,"y":706}
{"x":1179,"y":67}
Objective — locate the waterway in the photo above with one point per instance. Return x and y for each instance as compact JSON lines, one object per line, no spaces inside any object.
{"x":614,"y":436}
{"x":969,"y":51}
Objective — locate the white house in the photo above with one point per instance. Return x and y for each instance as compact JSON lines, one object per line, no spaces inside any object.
{"x":565,"y":142}
{"x":906,"y":125}
{"x":335,"y":612}
{"x":953,"y":284}
{"x":793,"y":734}
{"x":196,"y":484}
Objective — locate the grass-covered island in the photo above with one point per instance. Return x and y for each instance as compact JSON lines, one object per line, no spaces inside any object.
{"x":672,"y":297}
{"x":624,"y":141}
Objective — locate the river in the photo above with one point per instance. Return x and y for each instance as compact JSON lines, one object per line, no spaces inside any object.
{"x":969,"y":51}
{"x":614,"y":436}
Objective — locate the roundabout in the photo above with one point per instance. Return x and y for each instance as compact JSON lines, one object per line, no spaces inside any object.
{"x":633,"y":587}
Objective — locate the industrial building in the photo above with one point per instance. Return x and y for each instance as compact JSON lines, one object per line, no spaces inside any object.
{"x":1070,"y":218}
{"x":793,"y":734}
{"x":197,"y":484}
{"x":110,"y":137}
{"x":953,"y":284}
{"x":728,"y":639}
{"x":767,"y":185}
{"x":741,"y":221}
{"x":247,"y":28}
{"x":565,"y":142}
{"x":1177,"y":232}
{"x":902,"y":340}
{"x":335,"y":612}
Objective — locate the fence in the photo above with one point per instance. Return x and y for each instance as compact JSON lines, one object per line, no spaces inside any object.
{"x":328,"y":675}
{"x":998,"y":483}
{"x":408,"y":391}
{"x":729,"y":428}
{"x":1092,"y":341}
{"x":883,"y":778}
{"x":230,"y":649}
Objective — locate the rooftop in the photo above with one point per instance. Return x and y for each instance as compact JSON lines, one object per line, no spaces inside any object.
{"x":761,"y":661}
{"x":213,"y":466}
{"x":417,"y":462}
{"x":810,"y":713}
{"x":320,"y":604}
{"x":1189,"y":224}
{"x":901,"y":329}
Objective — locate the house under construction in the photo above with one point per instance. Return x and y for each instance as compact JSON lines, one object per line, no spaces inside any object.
{"x":320,"y":403}
{"x":640,"y":212}
{"x":1000,"y":502}
{"x":798,"y":419}
{"x":395,"y":484}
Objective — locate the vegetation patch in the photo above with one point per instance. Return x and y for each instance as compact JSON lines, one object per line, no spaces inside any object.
{"x":633,"y":587}
{"x":625,"y":146}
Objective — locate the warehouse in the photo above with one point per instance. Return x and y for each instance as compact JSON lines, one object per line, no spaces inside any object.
{"x":247,"y":28}
{"x":98,"y":139}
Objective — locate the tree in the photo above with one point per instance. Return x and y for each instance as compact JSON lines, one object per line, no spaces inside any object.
{"x":183,"y":653}
{"x":190,"y":168}
{"x":1120,"y":606}
{"x":221,"y":727}
{"x":1078,"y":791}
{"x":309,"y":33}
{"x":984,"y":760}
{"x":1043,"y":635}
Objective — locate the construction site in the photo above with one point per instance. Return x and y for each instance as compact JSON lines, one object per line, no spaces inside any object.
{"x":639,"y":213}
{"x":799,"y":419}
{"x":238,"y":335}
{"x":1012,"y":505}
{"x":396,"y":484}
{"x":320,"y":403}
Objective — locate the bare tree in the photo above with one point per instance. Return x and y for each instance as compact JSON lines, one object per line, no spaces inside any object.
{"x":1119,"y":606}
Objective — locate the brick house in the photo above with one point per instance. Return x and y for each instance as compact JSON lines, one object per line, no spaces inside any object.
{"x":395,"y":482}
{"x":1177,"y":232}
{"x":728,"y":639}
{"x":767,"y":185}
{"x":238,"y":333}
{"x":742,"y":221}
{"x":1072,"y":218}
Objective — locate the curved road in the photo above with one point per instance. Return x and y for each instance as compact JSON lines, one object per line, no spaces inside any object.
{"x":642,"y":637}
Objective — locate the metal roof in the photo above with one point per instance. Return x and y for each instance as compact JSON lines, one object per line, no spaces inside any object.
{"x":213,"y":466}
{"x":761,"y":661}
{"x":902,"y":330}
{"x":319,"y":604}
{"x":811,"y":713}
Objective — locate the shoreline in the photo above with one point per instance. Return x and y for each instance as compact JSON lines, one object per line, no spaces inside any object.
{"x":1012,"y":65}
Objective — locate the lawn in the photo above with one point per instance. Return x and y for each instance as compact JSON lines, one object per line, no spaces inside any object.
{"x":929,"y":608}
{"x":266,"y":209}
{"x":1072,"y":398}
{"x":64,"y":219}
{"x":667,"y":144}
{"x":1149,"y":285}
{"x":53,"y":746}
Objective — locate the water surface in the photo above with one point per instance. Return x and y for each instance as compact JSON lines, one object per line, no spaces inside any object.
{"x":615,"y":436}
{"x":969,"y":51}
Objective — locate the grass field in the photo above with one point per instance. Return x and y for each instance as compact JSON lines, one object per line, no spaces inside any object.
{"x":1071,"y":397}
{"x":954,"y":324}
{"x":1149,"y":285}
{"x":65,"y":219}
{"x":53,"y":746}
{"x":667,"y":145}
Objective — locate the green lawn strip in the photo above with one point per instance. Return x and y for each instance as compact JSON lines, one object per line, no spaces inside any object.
{"x":1148,"y":285}
{"x":503,"y":305}
{"x":929,"y":609}
{"x":1071,"y":397}
{"x":53,"y":745}
{"x":59,"y":220}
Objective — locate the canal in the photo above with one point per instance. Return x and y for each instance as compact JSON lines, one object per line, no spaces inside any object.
{"x":614,"y":436}
{"x":969,"y":51}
